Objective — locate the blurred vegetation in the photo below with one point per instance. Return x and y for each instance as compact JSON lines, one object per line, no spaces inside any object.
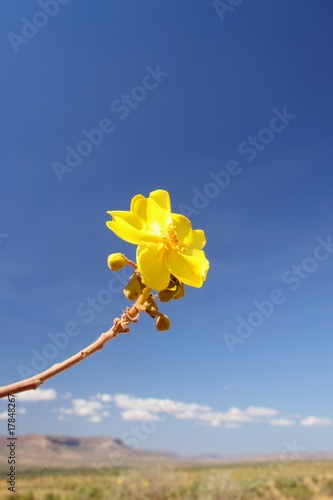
{"x":272,"y":481}
{"x":291,"y":487}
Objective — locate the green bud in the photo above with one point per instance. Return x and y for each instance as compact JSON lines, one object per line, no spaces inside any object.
{"x":162,"y":323}
{"x":132,"y":290}
{"x":117,"y":261}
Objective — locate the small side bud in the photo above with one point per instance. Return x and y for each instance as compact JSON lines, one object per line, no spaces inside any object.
{"x":132,"y":290}
{"x":151,"y":306}
{"x":162,"y":323}
{"x":117,"y":261}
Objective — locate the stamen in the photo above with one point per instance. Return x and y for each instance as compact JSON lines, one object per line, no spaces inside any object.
{"x":170,"y":239}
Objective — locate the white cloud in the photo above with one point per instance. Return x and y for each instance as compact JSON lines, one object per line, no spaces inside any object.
{"x":63,"y":410}
{"x":94,"y":411}
{"x":216,"y":418}
{"x":131,"y":408}
{"x":281,"y":422}
{"x":82,"y":408}
{"x":95,"y":419}
{"x":85,"y":408}
{"x":105,"y":398}
{"x":138,"y":415}
{"x":261,"y":411}
{"x":313,"y":421}
{"x":3,"y":415}
{"x":67,"y":395}
{"x":215,"y":422}
{"x":37,"y":395}
{"x":147,"y":408}
{"x":126,"y":402}
{"x":235,"y":414}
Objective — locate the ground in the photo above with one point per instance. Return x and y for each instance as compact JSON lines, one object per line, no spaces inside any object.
{"x":266,"y":481}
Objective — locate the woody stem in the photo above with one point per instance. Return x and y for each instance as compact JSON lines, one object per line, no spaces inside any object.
{"x":120,"y":325}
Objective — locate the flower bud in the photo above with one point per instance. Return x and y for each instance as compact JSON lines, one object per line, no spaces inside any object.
{"x":117,"y":261}
{"x":132,"y":290}
{"x":151,"y":306}
{"x":166,"y":295}
{"x":162,"y":323}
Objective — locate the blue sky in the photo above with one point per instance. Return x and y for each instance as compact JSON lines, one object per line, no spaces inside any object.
{"x":228,"y":111}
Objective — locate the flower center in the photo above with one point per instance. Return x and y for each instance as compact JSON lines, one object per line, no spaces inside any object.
{"x":170,"y":239}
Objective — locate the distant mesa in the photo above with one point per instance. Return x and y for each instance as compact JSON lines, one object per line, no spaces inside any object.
{"x":64,"y":441}
{"x":36,"y":452}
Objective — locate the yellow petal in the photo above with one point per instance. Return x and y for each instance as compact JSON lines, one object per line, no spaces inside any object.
{"x":150,"y":259}
{"x":139,"y":206}
{"x":162,"y":198}
{"x":158,"y":210}
{"x":191,"y":238}
{"x":128,"y":226}
{"x":190,"y":268}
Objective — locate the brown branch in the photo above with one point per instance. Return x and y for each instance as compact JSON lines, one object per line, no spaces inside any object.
{"x":120,"y":325}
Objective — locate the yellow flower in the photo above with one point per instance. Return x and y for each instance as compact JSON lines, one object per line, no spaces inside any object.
{"x":167,"y":244}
